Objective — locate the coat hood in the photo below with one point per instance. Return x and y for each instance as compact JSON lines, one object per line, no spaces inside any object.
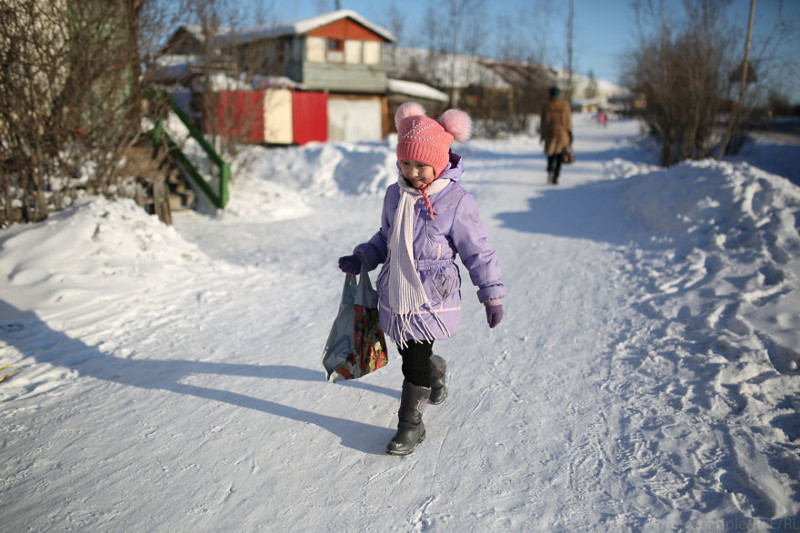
{"x":455,"y":168}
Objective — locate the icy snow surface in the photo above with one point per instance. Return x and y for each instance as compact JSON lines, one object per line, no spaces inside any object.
{"x":645,"y":377}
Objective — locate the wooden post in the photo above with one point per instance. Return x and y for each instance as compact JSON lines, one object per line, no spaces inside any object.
{"x":742,"y":88}
{"x":161,"y":200}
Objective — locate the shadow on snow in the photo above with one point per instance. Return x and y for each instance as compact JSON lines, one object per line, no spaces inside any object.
{"x":52,"y":345}
{"x":590,"y":211}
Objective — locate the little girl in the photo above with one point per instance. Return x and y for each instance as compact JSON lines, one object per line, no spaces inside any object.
{"x":427,"y":218}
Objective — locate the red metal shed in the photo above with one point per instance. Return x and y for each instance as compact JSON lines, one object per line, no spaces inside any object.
{"x":273,"y":116}
{"x":240,"y":115}
{"x":310,"y":116}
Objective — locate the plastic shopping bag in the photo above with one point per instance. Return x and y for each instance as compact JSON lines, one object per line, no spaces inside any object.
{"x":356,"y":345}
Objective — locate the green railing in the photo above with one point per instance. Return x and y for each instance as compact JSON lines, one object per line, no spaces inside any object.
{"x":218,"y":197}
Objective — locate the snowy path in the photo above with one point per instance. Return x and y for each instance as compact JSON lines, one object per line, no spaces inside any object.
{"x":194,"y":400}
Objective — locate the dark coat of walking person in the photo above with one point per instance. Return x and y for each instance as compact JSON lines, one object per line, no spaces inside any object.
{"x":556,"y":131}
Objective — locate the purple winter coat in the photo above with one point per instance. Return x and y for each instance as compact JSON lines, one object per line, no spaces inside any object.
{"x":456,"y":228}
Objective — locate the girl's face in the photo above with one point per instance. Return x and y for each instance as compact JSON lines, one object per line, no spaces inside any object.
{"x":417,"y":173}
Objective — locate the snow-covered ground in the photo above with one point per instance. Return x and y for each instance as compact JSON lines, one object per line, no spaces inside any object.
{"x":645,"y":377}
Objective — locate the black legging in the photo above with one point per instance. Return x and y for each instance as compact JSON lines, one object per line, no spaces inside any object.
{"x":417,"y":362}
{"x":554,"y":164}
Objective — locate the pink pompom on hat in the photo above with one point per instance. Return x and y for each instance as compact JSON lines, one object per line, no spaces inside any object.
{"x":421,"y":138}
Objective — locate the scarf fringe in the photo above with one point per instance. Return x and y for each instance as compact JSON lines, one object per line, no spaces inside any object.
{"x":401,"y":326}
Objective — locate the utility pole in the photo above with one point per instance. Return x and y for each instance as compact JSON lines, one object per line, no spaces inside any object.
{"x":570,"y":24}
{"x":737,"y":110}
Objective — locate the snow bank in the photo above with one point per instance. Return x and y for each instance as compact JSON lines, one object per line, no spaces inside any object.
{"x":100,"y":246}
{"x":720,"y":269}
{"x":329,"y":169}
{"x":95,"y":259}
{"x":276,"y":183}
{"x":729,"y":233}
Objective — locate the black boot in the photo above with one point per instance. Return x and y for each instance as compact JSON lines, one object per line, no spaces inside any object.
{"x":438,"y":386}
{"x":410,"y":429}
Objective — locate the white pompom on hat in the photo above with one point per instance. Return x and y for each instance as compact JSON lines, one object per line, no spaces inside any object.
{"x":421,"y":138}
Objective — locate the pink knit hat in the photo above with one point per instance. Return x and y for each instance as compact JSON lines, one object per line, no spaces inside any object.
{"x":424,"y":139}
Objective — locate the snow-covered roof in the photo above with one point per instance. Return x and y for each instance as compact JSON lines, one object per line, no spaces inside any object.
{"x":444,"y":69}
{"x":220,"y":82}
{"x":171,"y":67}
{"x":416,"y":90}
{"x":297,"y":27}
{"x":195,"y":31}
{"x":582,"y":82}
{"x":462,"y":70}
{"x":264,"y":82}
{"x":174,"y":68}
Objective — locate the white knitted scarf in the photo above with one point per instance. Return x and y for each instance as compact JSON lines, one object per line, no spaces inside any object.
{"x":406,"y":293}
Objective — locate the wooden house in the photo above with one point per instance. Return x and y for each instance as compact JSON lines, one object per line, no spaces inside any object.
{"x":338,"y":55}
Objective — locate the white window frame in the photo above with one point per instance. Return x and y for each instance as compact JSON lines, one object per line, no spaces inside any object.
{"x":316,"y":49}
{"x":372,"y":53}
{"x":352,"y":51}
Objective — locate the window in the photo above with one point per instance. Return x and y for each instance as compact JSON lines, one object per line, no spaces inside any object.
{"x":352,"y":52}
{"x":372,"y":53}
{"x":315,"y":49}
{"x":297,"y":50}
{"x":335,"y":51}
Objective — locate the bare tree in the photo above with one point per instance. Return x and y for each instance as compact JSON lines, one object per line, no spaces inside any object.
{"x":396,"y":25}
{"x":235,"y":58}
{"x":474,"y":34}
{"x":70,"y":101}
{"x":459,"y":15}
{"x":591,"y":88}
{"x":527,"y":33}
{"x":689,"y":69}
{"x":778,"y":104}
{"x":545,"y":15}
{"x":680,"y":69}
{"x":737,"y":110}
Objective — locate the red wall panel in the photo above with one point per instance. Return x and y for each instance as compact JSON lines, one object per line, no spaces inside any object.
{"x":241,"y":115}
{"x":310,"y":116}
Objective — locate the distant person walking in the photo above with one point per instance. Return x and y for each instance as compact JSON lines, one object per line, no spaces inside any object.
{"x":602,"y":118}
{"x":555,"y":128}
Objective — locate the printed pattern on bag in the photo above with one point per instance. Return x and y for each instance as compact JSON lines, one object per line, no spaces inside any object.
{"x":369,"y":350}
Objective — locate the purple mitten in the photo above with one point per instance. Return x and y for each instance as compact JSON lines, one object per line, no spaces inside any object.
{"x":494,"y":314}
{"x":350,"y":264}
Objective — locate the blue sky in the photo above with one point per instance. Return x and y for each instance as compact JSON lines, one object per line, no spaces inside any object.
{"x":603,"y":29}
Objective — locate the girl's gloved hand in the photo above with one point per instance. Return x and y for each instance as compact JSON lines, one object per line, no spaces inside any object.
{"x":494,"y":314}
{"x":350,"y":264}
